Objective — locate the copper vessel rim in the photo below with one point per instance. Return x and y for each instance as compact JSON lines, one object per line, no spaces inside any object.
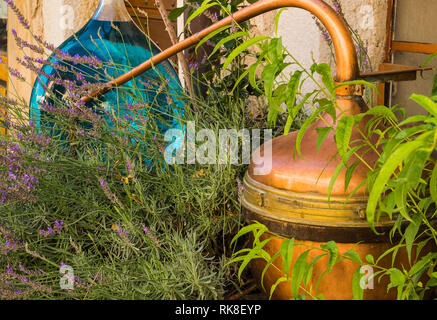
{"x":316,"y":197}
{"x":321,"y":233}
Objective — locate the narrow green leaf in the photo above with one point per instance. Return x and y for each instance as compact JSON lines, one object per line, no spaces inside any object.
{"x":433,"y":184}
{"x":293,"y":87}
{"x":298,"y":273}
{"x":249,"y":228}
{"x":275,"y":51}
{"x":277,"y":283}
{"x":349,"y":173}
{"x":343,"y":135}
{"x":428,"y":60}
{"x":353,"y":255}
{"x":175,"y":13}
{"x":309,"y":121}
{"x":422,"y":263}
{"x":334,"y":177}
{"x":253,"y":254}
{"x":331,"y":246}
{"x":287,"y":254}
{"x":357,"y":290}
{"x":413,"y":119}
{"x":400,"y":196}
{"x":277,"y":19}
{"x":227,"y":39}
{"x":269,"y":263}
{"x":323,"y":133}
{"x":416,"y":164}
{"x":394,"y":160}
{"x":211,"y":35}
{"x":338,"y":169}
{"x":397,"y":278}
{"x":382,"y":111}
{"x":241,"y":77}
{"x":288,"y":124}
{"x":240,"y":49}
{"x":386,"y":253}
{"x":252,"y":72}
{"x":411,"y":232}
{"x":370,"y":259}
{"x":268,"y":76}
{"x":309,"y":273}
{"x":426,"y":103}
{"x":325,"y":71}
{"x":205,"y":5}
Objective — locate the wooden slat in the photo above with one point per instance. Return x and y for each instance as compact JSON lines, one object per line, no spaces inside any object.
{"x":151,"y":14}
{"x":380,"y":95}
{"x":157,"y":32}
{"x":150,"y":4}
{"x":417,"y":47}
{"x":389,"y":26}
{"x":4,"y":71}
{"x":153,"y":21}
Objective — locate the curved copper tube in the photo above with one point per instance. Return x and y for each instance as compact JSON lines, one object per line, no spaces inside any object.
{"x":347,"y":65}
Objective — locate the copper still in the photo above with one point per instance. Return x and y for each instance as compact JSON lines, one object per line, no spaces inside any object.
{"x":292,"y":199}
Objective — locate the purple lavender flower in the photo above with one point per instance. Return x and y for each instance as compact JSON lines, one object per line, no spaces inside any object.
{"x":108,"y":193}
{"x":23,"y":21}
{"x":51,"y":231}
{"x":151,"y":236}
{"x":18,"y":181}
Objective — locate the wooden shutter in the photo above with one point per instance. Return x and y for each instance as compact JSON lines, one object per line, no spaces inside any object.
{"x":411,"y":37}
{"x":152,"y":22}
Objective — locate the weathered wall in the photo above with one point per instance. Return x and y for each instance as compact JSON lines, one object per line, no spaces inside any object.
{"x":368,"y":18}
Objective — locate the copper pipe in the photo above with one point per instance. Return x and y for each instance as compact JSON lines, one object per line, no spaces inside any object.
{"x":347,"y":65}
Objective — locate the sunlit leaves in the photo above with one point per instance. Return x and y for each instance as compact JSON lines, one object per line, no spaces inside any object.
{"x":245,"y":45}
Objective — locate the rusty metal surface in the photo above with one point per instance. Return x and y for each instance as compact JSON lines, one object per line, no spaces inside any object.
{"x":347,"y":65}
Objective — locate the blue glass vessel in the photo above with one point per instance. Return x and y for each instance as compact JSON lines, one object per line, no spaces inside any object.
{"x":114,"y":39}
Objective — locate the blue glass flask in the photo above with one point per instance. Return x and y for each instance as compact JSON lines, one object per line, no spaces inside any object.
{"x":113,"y":38}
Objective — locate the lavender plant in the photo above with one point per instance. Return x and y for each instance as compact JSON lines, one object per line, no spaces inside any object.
{"x":80,"y":193}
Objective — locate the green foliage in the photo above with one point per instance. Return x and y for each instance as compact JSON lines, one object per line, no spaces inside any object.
{"x":402,"y":184}
{"x":132,"y":230}
{"x":191,"y":212}
{"x":301,"y":275}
